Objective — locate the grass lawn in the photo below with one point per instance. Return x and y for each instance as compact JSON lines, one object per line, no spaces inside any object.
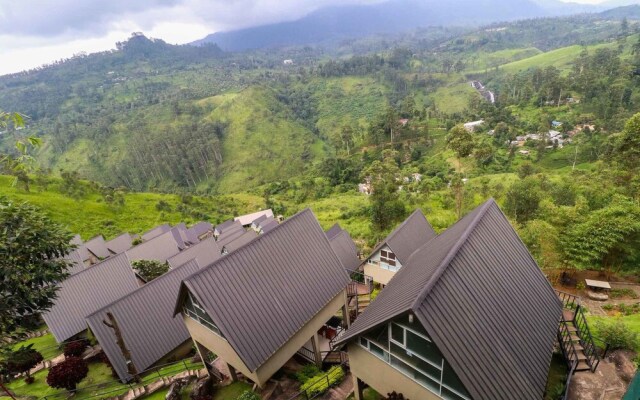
{"x":46,"y":345}
{"x":231,"y":392}
{"x":99,"y":380}
{"x":632,"y":321}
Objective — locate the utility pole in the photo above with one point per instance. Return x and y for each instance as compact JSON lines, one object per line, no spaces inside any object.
{"x":131,"y":368}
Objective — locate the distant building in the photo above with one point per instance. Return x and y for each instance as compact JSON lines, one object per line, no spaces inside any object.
{"x":403,"y":121}
{"x":287,"y":62}
{"x":472,"y":126}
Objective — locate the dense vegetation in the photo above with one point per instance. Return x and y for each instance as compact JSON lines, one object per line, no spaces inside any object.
{"x":199,"y":121}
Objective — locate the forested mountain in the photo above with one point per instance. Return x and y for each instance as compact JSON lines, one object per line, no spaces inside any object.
{"x":334,"y":23}
{"x":150,"y":115}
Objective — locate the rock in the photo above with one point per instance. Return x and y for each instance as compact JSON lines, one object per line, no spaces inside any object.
{"x":202,"y":389}
{"x":597,"y":296}
{"x":175,"y":389}
{"x":624,"y":366}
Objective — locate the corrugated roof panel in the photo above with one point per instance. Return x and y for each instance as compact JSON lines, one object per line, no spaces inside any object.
{"x":120,"y":244}
{"x":146,"y":321}
{"x":345,"y":249}
{"x":85,"y":292}
{"x":155,"y":232}
{"x":205,"y":252}
{"x":409,"y":236}
{"x":159,"y":248}
{"x":484,"y":302}
{"x":262,"y":294}
{"x":98,"y":247}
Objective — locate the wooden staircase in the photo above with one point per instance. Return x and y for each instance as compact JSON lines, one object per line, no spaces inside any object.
{"x":574,"y":337}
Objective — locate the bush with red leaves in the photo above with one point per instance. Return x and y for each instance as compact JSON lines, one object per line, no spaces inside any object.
{"x":75,"y":349}
{"x":68,"y":373}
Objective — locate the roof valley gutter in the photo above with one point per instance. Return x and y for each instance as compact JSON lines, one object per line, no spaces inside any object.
{"x":450,"y":255}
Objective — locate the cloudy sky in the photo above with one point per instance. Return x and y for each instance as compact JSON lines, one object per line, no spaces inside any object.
{"x":34,"y":32}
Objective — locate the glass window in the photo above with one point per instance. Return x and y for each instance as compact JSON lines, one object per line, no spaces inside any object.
{"x":423,"y":348}
{"x":380,"y":336}
{"x":452,"y":381}
{"x":397,"y":333}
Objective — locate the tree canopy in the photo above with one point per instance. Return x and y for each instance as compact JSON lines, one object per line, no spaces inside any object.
{"x":31,"y":245}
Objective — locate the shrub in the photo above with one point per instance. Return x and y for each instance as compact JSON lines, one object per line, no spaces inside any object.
{"x":621,"y":293}
{"x":21,"y":361}
{"x":68,"y":373}
{"x":75,"y":349}
{"x":618,"y":335}
{"x":320,"y":383}
{"x":150,"y":269}
{"x":307,"y":372}
{"x":248,"y":395}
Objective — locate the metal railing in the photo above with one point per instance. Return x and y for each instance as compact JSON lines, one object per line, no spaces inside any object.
{"x":570,"y":301}
{"x":567,"y":383}
{"x":115,"y":387}
{"x":590,"y":350}
{"x":356,"y":279}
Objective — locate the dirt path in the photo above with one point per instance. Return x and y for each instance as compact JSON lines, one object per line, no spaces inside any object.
{"x":609,"y":382}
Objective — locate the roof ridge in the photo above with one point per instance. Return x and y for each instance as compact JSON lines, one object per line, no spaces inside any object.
{"x":399,"y":228}
{"x":451,"y":254}
{"x":158,"y":279}
{"x":99,"y":264}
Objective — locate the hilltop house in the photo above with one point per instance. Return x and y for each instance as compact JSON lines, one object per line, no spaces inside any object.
{"x":344,"y":247}
{"x":249,"y":219}
{"x":159,"y":248}
{"x":261,"y":304}
{"x":205,"y":252}
{"x":85,"y":292}
{"x":145,"y":320}
{"x":121,"y":243}
{"x":388,"y":257}
{"x":469,"y":316}
{"x":473,"y":125}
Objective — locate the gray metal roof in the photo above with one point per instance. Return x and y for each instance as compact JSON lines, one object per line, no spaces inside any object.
{"x":263,"y":293}
{"x":155,"y":232}
{"x":240,"y":241}
{"x":159,"y":248}
{"x":82,"y":249}
{"x":98,"y":247}
{"x":87,"y":291}
{"x":249,"y":218}
{"x":204,"y":252}
{"x":268,"y":225}
{"x":256,"y":222}
{"x":345,"y":249}
{"x":145,"y":318}
{"x":229,"y":225}
{"x":334,"y":230}
{"x":120,"y":244}
{"x":200,"y":228}
{"x":229,"y":236}
{"x":413,"y":233}
{"x":76,"y":262}
{"x":484,"y":302}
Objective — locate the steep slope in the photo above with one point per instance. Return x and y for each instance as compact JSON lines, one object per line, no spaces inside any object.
{"x":262,"y":142}
{"x":334,"y":23}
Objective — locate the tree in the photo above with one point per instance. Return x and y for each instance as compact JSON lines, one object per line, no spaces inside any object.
{"x":21,"y":361}
{"x":606,"y":238}
{"x":23,"y":163}
{"x":460,"y":140}
{"x":386,"y":206}
{"x":31,"y":265}
{"x":68,"y":373}
{"x":150,"y":269}
{"x":523,"y":199}
{"x":626,"y":148}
